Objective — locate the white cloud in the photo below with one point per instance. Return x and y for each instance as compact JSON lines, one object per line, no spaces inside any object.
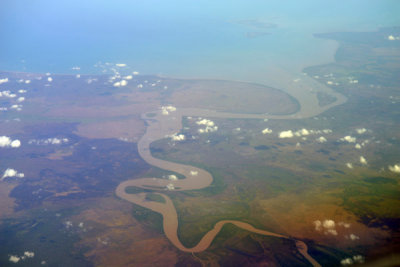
{"x":49,"y":79}
{"x":12,"y":173}
{"x":28,"y":81}
{"x":21,"y":99}
{"x":321,"y":139}
{"x":140,"y":85}
{"x":363,"y":161}
{"x":348,"y":139}
{"x":129,"y":77}
{"x":304,"y":132}
{"x":22,"y":91}
{"x":7,"y":94}
{"x":4,"y":80}
{"x":395,"y":168}
{"x":124,"y":83}
{"x":172,"y":177}
{"x":14,"y":259}
{"x":194,"y":173}
{"x":317,"y":225}
{"x":6,"y":141}
{"x":329,"y":224}
{"x":78,"y":76}
{"x":135,"y":73}
{"x":165,"y":110}
{"x":49,"y":141}
{"x":349,"y":165}
{"x":29,"y":254}
{"x":357,"y":146}
{"x":393,"y":38}
{"x":354,"y":237}
{"x":205,"y":122}
{"x":210,"y":126}
{"x":120,"y":65}
{"x":347,"y":261}
{"x":170,"y":187}
{"x":265,"y":131}
{"x":286,"y":134}
{"x":178,"y":137}
{"x":76,"y":68}
{"x":345,"y":225}
{"x":352,"y":260}
{"x":117,"y":84}
{"x":361,"y":131}
{"x":15,"y":143}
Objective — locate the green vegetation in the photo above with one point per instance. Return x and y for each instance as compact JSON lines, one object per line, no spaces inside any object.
{"x":155,"y":197}
{"x":150,"y":219}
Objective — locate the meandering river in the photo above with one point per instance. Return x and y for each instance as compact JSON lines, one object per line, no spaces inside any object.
{"x":161,"y":125}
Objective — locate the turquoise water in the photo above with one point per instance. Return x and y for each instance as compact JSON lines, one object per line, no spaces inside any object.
{"x":180,"y":38}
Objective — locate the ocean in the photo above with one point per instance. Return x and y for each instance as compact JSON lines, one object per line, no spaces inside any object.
{"x":226,"y":39}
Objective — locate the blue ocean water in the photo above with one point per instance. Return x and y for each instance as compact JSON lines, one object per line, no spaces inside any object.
{"x":189,"y":38}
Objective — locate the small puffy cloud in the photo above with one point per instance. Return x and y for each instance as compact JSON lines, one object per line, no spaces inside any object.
{"x":304,"y":132}
{"x":265,"y":131}
{"x":170,"y":187}
{"x":348,"y":139}
{"x":14,"y":259}
{"x":286,"y":134}
{"x":76,"y":68}
{"x":178,"y":137}
{"x":347,"y":261}
{"x":22,"y":91}
{"x":329,"y":224}
{"x":363,"y":161}
{"x":172,"y":177}
{"x":357,"y":146}
{"x":135,"y":73}
{"x":349,"y":165}
{"x":78,"y":76}
{"x":29,"y":254}
{"x":352,"y":260}
{"x":49,"y":79}
{"x":6,"y":141}
{"x":395,"y":168}
{"x":129,"y":77}
{"x":354,"y":237}
{"x":318,"y":225}
{"x":121,"y":65}
{"x":4,"y":80}
{"x":117,"y":84}
{"x":210,"y":126}
{"x":48,"y":141}
{"x":12,"y":173}
{"x":321,"y":139}
{"x":140,"y":85}
{"x":205,"y":122}
{"x":165,"y":110}
{"x":21,"y":99}
{"x":124,"y":83}
{"x":16,"y":107}
{"x":345,"y":225}
{"x":194,"y":173}
{"x":393,"y":38}
{"x":7,"y":94}
{"x":361,"y":131}
{"x":15,"y":143}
